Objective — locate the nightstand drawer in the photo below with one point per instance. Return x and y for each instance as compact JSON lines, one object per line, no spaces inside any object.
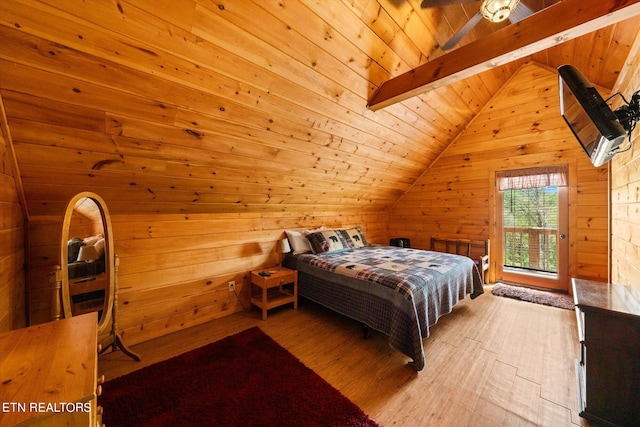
{"x":278,"y":278}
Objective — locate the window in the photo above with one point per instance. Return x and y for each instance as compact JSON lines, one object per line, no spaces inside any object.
{"x":530,"y":219}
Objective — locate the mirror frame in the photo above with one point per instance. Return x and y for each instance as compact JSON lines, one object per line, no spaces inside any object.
{"x":105,"y":318}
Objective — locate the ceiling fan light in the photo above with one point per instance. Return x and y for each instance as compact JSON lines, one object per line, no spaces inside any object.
{"x":498,"y":10}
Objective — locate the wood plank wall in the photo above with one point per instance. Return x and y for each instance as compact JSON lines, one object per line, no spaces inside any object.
{"x":174,"y":269}
{"x":44,"y":234}
{"x":12,"y":247}
{"x":625,"y":193}
{"x":520,"y":127}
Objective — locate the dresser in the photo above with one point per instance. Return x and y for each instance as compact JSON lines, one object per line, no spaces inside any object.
{"x":608,"y":370}
{"x":48,"y":374}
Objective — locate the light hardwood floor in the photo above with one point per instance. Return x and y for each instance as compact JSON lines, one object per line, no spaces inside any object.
{"x":492,"y":362}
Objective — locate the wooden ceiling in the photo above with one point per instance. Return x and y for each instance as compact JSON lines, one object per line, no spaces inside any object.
{"x":243,"y":106}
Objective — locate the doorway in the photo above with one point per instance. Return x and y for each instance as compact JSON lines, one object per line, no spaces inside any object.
{"x":532,"y":227}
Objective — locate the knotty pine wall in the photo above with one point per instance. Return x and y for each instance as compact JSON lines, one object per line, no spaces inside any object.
{"x":521,"y":127}
{"x":625,"y":195}
{"x":174,"y":269}
{"x":12,"y":247}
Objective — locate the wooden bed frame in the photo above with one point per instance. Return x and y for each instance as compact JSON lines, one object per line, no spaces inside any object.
{"x":477,"y":251}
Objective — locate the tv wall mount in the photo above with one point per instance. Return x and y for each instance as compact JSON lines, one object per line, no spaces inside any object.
{"x":629,"y":114}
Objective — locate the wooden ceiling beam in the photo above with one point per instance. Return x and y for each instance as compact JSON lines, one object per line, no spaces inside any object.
{"x":554,"y":25}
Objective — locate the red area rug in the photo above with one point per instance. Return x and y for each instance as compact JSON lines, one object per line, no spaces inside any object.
{"x":246,"y":379}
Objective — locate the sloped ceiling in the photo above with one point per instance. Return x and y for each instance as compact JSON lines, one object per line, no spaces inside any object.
{"x":242,"y":106}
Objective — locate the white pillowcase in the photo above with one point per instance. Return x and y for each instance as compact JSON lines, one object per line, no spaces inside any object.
{"x":298,"y":242}
{"x":99,"y":247}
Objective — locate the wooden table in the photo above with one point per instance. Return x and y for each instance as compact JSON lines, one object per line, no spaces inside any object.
{"x":273,"y":292}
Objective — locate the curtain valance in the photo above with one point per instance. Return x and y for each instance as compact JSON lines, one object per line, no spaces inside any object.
{"x":550,"y":176}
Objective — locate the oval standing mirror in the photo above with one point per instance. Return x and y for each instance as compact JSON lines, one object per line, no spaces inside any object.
{"x":89,"y":279}
{"x":87,"y":248}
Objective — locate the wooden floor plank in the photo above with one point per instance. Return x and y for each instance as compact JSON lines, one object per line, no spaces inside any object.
{"x":492,"y":362}
{"x":496,"y":394}
{"x":524,"y":404}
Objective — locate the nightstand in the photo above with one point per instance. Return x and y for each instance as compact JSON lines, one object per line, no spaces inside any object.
{"x":273,"y":292}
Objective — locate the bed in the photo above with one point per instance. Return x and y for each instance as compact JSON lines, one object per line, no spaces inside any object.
{"x":400,"y":292}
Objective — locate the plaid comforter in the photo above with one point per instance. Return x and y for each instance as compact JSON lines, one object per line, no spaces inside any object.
{"x":398,"y":291}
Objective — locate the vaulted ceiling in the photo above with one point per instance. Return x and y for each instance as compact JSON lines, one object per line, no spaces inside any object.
{"x":251,"y":106}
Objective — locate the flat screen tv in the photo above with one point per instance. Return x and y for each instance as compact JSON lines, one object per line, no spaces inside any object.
{"x":593,"y":123}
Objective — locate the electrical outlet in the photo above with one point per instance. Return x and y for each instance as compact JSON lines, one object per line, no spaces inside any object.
{"x":232,"y":286}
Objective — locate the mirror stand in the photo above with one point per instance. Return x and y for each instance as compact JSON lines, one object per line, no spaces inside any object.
{"x":55,"y":277}
{"x":87,"y":279}
{"x":114,"y":339}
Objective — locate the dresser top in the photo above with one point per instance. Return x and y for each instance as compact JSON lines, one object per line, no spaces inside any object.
{"x":624,"y":300}
{"x":47,"y":364}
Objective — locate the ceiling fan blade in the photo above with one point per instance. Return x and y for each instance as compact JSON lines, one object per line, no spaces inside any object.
{"x":453,"y":41}
{"x":437,"y":3}
{"x":519,"y":13}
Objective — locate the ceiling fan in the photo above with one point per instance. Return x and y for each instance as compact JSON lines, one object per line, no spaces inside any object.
{"x":492,"y":10}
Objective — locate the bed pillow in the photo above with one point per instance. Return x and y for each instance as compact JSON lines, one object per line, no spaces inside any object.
{"x":298,"y":241}
{"x":73,"y":249}
{"x":356,"y":237}
{"x":329,"y":241}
